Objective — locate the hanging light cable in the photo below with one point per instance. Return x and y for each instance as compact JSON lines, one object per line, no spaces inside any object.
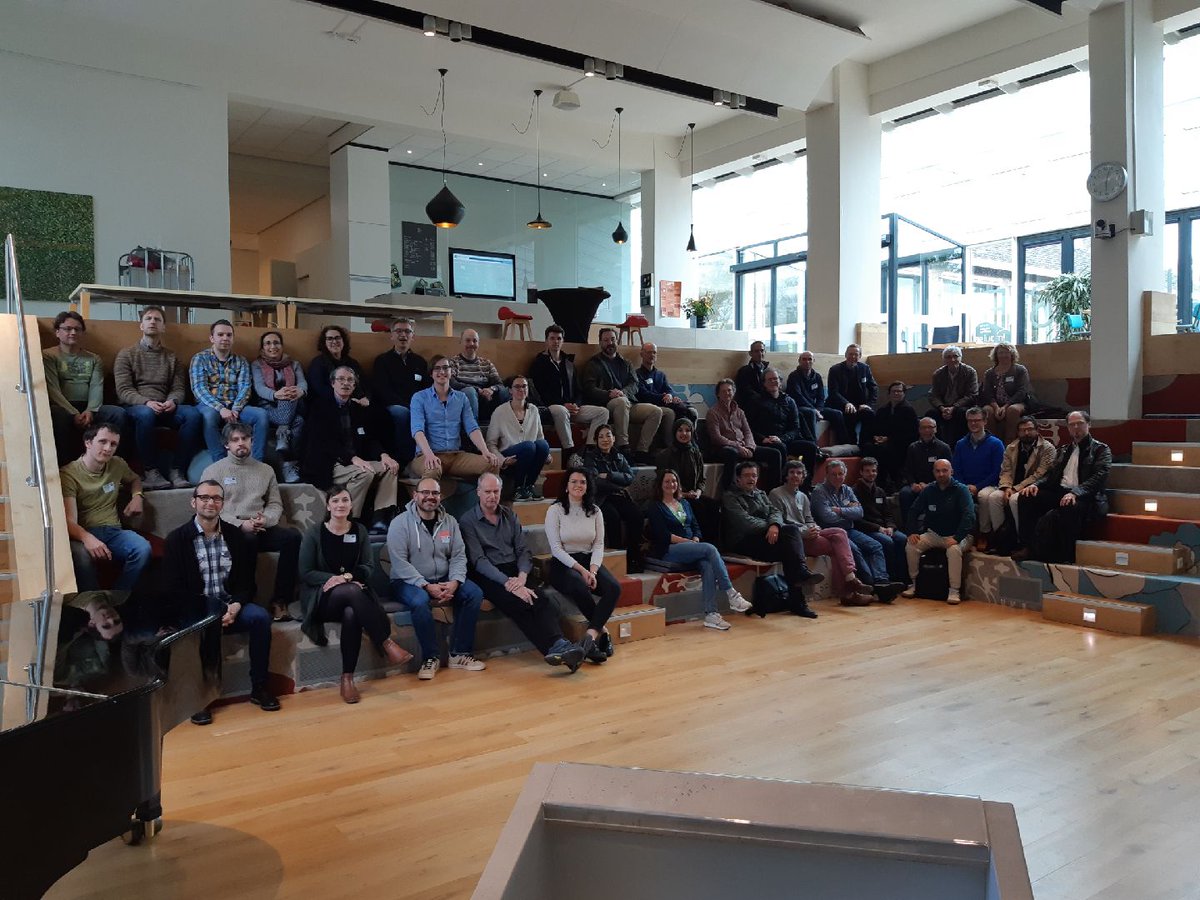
{"x":444,"y":210}
{"x":539,"y":223}
{"x":619,"y":235}
{"x":691,"y":244}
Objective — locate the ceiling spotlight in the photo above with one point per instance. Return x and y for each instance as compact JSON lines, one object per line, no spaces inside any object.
{"x":429,"y":26}
{"x":589,"y":67}
{"x":613,"y":71}
{"x":718,"y":97}
{"x":455,"y":32}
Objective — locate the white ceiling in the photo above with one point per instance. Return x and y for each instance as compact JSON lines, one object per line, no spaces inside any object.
{"x":292,"y":83}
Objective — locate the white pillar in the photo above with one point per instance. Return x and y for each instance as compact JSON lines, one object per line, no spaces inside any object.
{"x":844,"y":227}
{"x":1125,"y":56}
{"x":360,"y":222}
{"x":666,"y":192}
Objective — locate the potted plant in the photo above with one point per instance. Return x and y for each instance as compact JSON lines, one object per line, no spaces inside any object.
{"x":1067,"y":295}
{"x":699,"y":309}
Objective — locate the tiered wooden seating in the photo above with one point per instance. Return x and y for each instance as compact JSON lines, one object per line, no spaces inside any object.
{"x":1134,"y":557}
{"x":1120,"y":616}
{"x":1166,"y":454}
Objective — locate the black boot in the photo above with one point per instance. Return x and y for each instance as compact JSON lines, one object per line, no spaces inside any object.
{"x":798,"y":605}
{"x":383,"y":518}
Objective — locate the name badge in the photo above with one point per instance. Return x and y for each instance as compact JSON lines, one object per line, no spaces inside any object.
{"x":444,"y":537}
{"x":932,"y":459}
{"x":361,"y":430}
{"x":416,"y":376}
{"x":230,"y":479}
{"x":350,"y":538}
{"x":649,"y":382}
{"x":879,"y":500}
{"x":109,"y":487}
{"x":932,"y":507}
{"x":864,"y":379}
{"x":1008,"y":378}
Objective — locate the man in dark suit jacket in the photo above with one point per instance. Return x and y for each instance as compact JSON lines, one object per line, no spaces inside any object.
{"x":804,"y":385}
{"x":852,"y":389}
{"x":1069,"y":495}
{"x":210,"y":571}
{"x":749,"y":380}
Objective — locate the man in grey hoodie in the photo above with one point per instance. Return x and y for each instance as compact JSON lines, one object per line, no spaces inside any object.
{"x":429,"y":568}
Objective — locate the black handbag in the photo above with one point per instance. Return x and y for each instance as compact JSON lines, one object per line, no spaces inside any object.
{"x":770,"y":595}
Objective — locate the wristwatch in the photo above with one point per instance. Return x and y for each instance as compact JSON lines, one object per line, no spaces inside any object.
{"x":349,"y":576}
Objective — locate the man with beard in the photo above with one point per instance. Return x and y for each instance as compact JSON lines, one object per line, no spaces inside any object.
{"x":608,"y":380}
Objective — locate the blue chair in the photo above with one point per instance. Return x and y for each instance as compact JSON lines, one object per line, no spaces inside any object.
{"x":942,"y":335}
{"x":1079,"y":329}
{"x":1193,"y":326}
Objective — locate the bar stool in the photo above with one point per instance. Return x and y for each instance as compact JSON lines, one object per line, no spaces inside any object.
{"x":520,"y":321}
{"x":631,"y":324}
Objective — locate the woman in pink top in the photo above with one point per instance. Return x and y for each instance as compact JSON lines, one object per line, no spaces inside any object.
{"x":730,"y":439}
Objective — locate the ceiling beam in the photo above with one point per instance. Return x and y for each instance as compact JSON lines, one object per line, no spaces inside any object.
{"x":1050,"y":6}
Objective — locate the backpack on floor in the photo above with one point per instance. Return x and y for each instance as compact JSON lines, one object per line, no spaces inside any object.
{"x":770,"y":595}
{"x":933,"y":575}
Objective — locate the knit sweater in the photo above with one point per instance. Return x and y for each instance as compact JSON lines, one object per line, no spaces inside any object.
{"x":143,"y":373}
{"x":476,"y":373}
{"x":978,"y":464}
{"x":575,"y":532}
{"x":250,"y":488}
{"x":947,"y":512}
{"x":504,"y":430}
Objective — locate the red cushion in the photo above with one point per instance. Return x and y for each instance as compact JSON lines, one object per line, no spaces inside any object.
{"x":635,"y":321}
{"x":381,"y":325}
{"x":506,"y":313}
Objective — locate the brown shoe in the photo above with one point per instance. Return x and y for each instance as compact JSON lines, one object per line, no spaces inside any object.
{"x":856,"y":599}
{"x":396,"y":655}
{"x":349,"y":691}
{"x":855,"y":586}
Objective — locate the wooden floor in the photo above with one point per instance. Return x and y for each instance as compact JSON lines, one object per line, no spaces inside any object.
{"x":1094,"y":737}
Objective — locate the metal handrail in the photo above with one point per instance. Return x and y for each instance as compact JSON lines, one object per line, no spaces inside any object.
{"x":42,"y":607}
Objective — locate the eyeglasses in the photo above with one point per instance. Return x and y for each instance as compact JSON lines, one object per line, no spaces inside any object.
{"x":341,"y":379}
{"x":208,"y":498}
{"x":429,"y":493}
{"x":441,"y":368}
{"x":330,"y":338}
{"x":520,"y":387}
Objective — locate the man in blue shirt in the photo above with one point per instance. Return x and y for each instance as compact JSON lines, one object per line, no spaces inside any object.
{"x":949,"y":515}
{"x":440,"y":415}
{"x":977,"y":459}
{"x":834,"y":505}
{"x":221,"y":385}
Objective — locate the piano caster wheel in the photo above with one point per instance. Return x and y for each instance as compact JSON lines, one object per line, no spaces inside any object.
{"x":141,"y":831}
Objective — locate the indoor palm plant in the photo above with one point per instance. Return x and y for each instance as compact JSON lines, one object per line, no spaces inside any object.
{"x":1068,"y":294}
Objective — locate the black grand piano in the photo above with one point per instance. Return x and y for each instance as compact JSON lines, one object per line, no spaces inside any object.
{"x":84,"y":764}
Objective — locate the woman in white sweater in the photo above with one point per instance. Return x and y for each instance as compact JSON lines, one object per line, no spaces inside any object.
{"x":516,"y":431}
{"x":575,"y":530}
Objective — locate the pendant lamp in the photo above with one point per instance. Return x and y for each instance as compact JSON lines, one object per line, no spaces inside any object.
{"x":444,"y":210}
{"x":691,"y":244}
{"x":619,"y":235}
{"x":539,"y":223}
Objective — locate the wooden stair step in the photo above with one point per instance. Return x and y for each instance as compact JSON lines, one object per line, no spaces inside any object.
{"x":1148,"y":453}
{"x":1121,"y":616}
{"x":1170,"y":504}
{"x":6,"y":513}
{"x":614,"y":560}
{"x":1133,"y":477}
{"x":1134,"y":557}
{"x":8,"y":587}
{"x":6,"y":552}
{"x":1134,"y":529}
{"x":532,"y":512}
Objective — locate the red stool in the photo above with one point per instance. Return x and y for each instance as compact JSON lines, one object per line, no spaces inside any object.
{"x":381,"y":325}
{"x":519,"y":321}
{"x":631,"y":324}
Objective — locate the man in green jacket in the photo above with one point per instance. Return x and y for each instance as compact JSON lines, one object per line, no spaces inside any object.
{"x":949,"y":512}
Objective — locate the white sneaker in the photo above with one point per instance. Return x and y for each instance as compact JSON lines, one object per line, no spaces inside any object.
{"x":466,"y":661}
{"x":714,"y":620}
{"x":953,"y":598}
{"x":153,"y":481}
{"x":428,"y":669}
{"x":738,"y":603}
{"x":909,"y":592}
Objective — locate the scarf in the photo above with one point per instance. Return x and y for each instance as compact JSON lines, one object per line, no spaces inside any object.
{"x":271,"y":369}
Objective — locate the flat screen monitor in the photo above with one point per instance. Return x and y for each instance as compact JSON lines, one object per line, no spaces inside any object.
{"x":479,"y":273}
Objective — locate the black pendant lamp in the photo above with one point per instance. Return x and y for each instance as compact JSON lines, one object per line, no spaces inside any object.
{"x":691,"y":244}
{"x":444,"y":210}
{"x":539,"y":223}
{"x":619,"y":235}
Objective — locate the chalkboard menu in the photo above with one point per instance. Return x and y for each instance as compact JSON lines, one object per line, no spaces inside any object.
{"x":418,"y":249}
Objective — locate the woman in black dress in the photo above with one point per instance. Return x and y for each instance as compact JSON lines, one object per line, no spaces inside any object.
{"x":336,"y":565}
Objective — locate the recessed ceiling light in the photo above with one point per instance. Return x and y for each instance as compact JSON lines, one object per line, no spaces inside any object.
{"x":408,"y":151}
{"x":545,"y":174}
{"x":481,"y":164}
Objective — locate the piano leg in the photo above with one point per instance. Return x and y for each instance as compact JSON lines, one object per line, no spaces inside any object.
{"x":146,"y":823}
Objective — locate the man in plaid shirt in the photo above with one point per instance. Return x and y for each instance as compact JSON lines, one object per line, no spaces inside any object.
{"x":209,"y":570}
{"x":221,"y":385}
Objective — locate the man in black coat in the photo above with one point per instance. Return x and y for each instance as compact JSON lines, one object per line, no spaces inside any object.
{"x":210,"y":571}
{"x":804,"y":385}
{"x":852,"y":389}
{"x":749,"y":379}
{"x":558,"y":394}
{"x":917,"y":472}
{"x":1066,"y":497}
{"x":895,"y":430}
{"x":776,"y":421}
{"x":398,"y":374}
{"x":343,"y":449}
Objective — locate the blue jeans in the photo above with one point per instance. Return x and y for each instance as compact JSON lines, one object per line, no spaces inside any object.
{"x":145,"y":420}
{"x":128,"y":548}
{"x":213,"y":423}
{"x":500,"y":394}
{"x":406,"y":447}
{"x":531,"y":456}
{"x":872,"y":553}
{"x":893,"y":553}
{"x":255,"y":621}
{"x":467,"y":600}
{"x":713,"y":573}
